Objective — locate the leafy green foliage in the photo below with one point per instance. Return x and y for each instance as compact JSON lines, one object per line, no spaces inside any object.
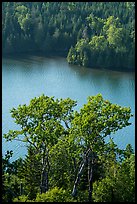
{"x":101,"y":34}
{"x":98,"y":119}
{"x":22,"y":198}
{"x":30,"y":173}
{"x":65,"y":149}
{"x":55,"y":195}
{"x":42,"y":121}
{"x":117,"y":188}
{"x":108,"y":47}
{"x":10,"y":179}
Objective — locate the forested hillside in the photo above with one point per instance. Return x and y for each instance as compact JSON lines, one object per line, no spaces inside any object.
{"x":93,"y":34}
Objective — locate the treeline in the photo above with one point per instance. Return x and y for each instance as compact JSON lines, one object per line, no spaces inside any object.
{"x":68,"y":159}
{"x":94,"y":34}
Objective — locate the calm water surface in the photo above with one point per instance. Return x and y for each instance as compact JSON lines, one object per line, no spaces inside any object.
{"x":26,"y":77}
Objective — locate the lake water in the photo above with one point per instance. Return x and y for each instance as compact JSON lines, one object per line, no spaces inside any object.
{"x":26,"y":77}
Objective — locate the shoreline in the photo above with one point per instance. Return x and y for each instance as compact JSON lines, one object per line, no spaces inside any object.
{"x":64,"y":55}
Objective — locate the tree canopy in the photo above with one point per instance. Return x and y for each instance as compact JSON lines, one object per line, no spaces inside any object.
{"x":102,"y":34}
{"x":68,"y":158}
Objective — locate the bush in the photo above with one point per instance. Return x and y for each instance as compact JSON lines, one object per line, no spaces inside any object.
{"x":22,"y":198}
{"x":55,"y":195}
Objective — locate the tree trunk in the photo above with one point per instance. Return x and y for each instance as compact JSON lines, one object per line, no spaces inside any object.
{"x":21,"y":188}
{"x":74,"y":192}
{"x":90,"y":186}
{"x":90,"y":175}
{"x":44,"y":182}
{"x":44,"y":175}
{"x":84,"y":162}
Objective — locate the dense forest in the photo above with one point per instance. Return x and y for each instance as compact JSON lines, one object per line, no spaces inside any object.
{"x":68,"y":158}
{"x":91,"y":34}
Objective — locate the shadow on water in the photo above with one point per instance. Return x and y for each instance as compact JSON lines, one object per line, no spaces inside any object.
{"x":103,"y":77}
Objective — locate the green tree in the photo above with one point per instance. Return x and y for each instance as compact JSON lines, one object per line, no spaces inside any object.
{"x":71,"y":58}
{"x":10,"y":180}
{"x":95,"y":23}
{"x":53,"y":27}
{"x":66,"y":146}
{"x":96,"y":120}
{"x":23,"y":17}
{"x":119,"y":186}
{"x":98,"y":43}
{"x":30,"y":173}
{"x":42,"y":123}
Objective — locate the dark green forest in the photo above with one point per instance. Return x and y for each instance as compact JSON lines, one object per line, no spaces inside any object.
{"x":68,"y":158}
{"x":91,"y":34}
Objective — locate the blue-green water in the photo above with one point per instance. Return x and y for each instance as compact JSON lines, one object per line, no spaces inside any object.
{"x":26,"y":77}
